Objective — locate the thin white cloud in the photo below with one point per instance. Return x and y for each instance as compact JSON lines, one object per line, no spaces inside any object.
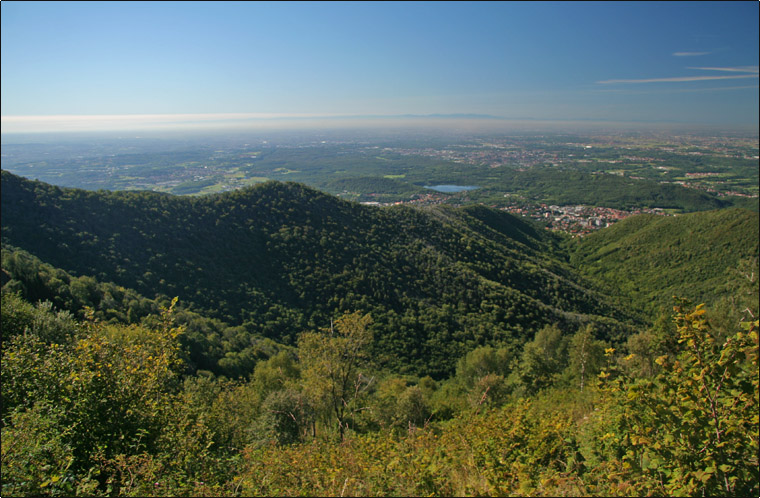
{"x":738,"y":69}
{"x":671,"y":90}
{"x":690,"y":54}
{"x":677,"y":79}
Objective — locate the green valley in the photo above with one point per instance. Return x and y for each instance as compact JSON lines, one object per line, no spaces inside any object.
{"x":380,"y":249}
{"x":279,"y":340}
{"x":280,"y":258}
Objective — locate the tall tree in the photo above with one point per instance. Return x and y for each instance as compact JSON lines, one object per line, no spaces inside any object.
{"x":331,"y":366}
{"x":543,"y":359}
{"x":586,"y":355}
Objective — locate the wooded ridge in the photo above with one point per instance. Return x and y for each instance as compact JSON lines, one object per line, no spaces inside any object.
{"x":280,"y":341}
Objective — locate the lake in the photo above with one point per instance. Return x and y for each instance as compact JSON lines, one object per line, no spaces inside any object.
{"x":450,"y":189}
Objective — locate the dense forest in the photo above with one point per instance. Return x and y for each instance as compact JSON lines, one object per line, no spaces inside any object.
{"x":279,"y":258}
{"x":277,"y":340}
{"x":693,"y":256}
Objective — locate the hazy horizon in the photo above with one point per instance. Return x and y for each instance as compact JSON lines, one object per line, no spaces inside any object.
{"x":158,"y":66}
{"x":242,"y":123}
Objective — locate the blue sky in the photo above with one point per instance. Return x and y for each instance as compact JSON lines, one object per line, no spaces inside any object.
{"x":686,"y":62}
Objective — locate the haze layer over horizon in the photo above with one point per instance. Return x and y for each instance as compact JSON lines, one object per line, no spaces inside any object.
{"x":107,"y":66}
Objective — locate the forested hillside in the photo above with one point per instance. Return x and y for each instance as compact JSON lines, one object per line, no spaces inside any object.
{"x":648,"y":259}
{"x":279,"y":341}
{"x":280,"y":258}
{"x":97,"y":409}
